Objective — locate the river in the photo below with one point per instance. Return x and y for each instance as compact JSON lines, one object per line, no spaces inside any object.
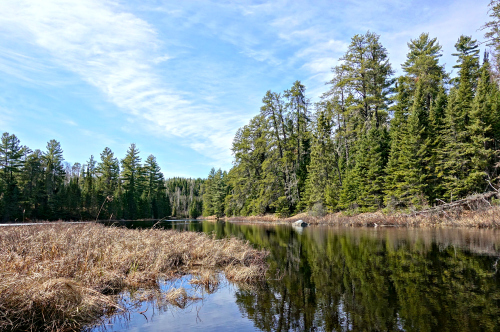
{"x":343,"y":279}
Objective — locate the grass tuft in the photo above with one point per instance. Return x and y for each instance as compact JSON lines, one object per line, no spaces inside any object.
{"x":63,"y":277}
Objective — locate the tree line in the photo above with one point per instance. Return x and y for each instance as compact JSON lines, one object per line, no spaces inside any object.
{"x":40,"y":185}
{"x":374,"y":140}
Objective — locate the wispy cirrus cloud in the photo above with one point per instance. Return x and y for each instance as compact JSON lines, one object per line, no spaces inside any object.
{"x":117,"y":52}
{"x":189,"y":73}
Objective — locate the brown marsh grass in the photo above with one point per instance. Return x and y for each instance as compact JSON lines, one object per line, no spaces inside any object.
{"x":63,"y":277}
{"x":481,"y":218}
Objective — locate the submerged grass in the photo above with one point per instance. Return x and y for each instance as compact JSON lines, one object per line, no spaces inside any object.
{"x":63,"y":277}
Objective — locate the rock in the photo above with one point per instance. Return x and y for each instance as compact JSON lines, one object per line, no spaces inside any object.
{"x":300,"y":223}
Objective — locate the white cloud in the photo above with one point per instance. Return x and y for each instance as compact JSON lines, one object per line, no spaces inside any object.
{"x":117,"y":53}
{"x":161,"y":59}
{"x":169,"y":85}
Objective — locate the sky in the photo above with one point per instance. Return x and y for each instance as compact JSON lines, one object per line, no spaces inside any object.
{"x":178,"y":78}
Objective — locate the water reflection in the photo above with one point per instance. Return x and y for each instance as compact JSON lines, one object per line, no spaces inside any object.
{"x":348,"y":279}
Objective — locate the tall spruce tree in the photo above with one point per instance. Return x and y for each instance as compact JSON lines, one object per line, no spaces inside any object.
{"x":250,"y":149}
{"x":11,"y":153}
{"x":321,"y":178}
{"x":483,"y":118}
{"x":454,"y":158}
{"x":412,"y":136}
{"x":156,"y":194}
{"x":54,"y":178}
{"x":131,"y":165}
{"x":363,"y":89}
{"x":364,"y":183}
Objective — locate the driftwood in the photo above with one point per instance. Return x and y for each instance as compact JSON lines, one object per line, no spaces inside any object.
{"x":473,"y":202}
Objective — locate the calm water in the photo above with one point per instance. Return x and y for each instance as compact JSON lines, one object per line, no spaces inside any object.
{"x":345,"y":279}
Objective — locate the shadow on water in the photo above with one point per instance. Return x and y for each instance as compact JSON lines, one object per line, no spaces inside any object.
{"x":351,"y":279}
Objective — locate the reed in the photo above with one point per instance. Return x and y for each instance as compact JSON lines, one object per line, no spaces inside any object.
{"x":63,"y":277}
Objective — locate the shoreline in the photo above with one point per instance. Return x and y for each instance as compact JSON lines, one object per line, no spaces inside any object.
{"x":483,"y":218}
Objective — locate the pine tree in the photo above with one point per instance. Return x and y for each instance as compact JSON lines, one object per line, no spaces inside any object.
{"x":298,"y":115}
{"x":131,"y":165}
{"x":413,"y":154}
{"x":219,"y":192}
{"x":250,"y":149}
{"x":322,"y":166}
{"x":11,"y":153}
{"x":364,"y":183}
{"x":411,"y":133}
{"x":89,"y":189}
{"x":32,"y":183}
{"x":368,"y":76}
{"x":54,"y":178}
{"x":208,"y":194}
{"x":108,"y":173}
{"x":156,"y":194}
{"x":398,"y":134}
{"x":480,"y":148}
{"x":108,"y":170}
{"x":436,"y":144}
{"x":454,"y":158}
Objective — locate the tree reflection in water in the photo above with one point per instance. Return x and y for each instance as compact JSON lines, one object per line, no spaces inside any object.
{"x":372,"y":280}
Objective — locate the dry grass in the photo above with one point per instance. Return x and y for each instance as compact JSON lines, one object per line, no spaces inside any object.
{"x":481,"y":218}
{"x":264,"y":218}
{"x":62,"y":277}
{"x":207,"y":279}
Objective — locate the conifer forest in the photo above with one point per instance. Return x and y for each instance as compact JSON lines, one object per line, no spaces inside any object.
{"x":40,"y":185}
{"x":373,"y":141}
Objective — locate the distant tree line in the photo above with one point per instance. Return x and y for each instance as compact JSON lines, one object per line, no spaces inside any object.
{"x":185,"y":196}
{"x":40,"y":185}
{"x":373,"y":141}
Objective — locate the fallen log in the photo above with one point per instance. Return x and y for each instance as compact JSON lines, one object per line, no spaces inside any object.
{"x":472,"y":202}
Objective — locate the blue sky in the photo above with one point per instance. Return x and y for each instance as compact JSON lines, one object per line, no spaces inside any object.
{"x":178,"y":78}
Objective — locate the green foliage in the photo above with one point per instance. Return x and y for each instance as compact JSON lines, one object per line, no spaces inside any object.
{"x":371,"y":144}
{"x":185,"y":196}
{"x":40,"y":185}
{"x":272,"y":154}
{"x":215,"y":190}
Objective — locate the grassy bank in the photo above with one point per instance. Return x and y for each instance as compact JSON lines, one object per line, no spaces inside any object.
{"x":482,"y":218}
{"x":63,"y":277}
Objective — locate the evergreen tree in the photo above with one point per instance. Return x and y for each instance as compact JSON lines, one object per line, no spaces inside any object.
{"x":454,"y":159}
{"x":321,"y":170}
{"x":482,"y":119}
{"x":208,"y":194}
{"x":250,"y":149}
{"x":219,"y":192}
{"x":412,"y":136}
{"x":364,"y":183}
{"x":298,"y":119}
{"x":368,"y":76}
{"x":108,"y":170}
{"x":89,"y":190}
{"x":32,"y":183}
{"x":156,"y":195}
{"x":11,"y":153}
{"x":131,"y":165}
{"x":54,"y":178}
